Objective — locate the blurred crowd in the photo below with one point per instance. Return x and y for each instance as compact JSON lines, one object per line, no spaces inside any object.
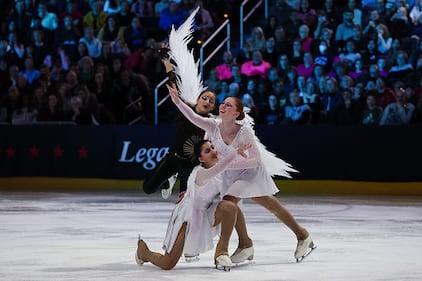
{"x":95,"y":61}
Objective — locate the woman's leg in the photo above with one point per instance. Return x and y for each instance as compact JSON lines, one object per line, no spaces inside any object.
{"x":244,"y":240}
{"x":164,"y":170}
{"x":272,"y":204}
{"x":225,"y":214}
{"x":168,"y":260}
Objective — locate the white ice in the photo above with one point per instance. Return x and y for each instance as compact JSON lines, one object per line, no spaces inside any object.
{"x":85,"y":236}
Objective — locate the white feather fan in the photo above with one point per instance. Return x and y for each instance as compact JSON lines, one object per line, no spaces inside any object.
{"x":189,"y":80}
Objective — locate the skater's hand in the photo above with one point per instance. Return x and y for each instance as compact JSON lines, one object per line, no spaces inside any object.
{"x":174,"y":94}
{"x":242,"y":149}
{"x":181,"y":196}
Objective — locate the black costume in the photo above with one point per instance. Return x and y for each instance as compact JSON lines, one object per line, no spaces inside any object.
{"x":178,"y":159}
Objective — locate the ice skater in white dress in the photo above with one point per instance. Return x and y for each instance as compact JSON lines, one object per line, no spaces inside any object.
{"x":250,"y":178}
{"x":199,"y":217}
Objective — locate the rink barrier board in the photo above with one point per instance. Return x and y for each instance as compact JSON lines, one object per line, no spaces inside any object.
{"x":287,"y":187}
{"x":334,"y":153}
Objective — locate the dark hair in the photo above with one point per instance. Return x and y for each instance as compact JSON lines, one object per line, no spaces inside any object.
{"x":197,"y":150}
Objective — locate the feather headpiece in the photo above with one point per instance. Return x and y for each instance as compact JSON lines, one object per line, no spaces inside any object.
{"x":188,"y":79}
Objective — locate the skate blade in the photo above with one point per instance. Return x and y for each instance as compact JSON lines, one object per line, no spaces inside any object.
{"x":192,"y":259}
{"x":222,"y":267}
{"x":311,"y":249}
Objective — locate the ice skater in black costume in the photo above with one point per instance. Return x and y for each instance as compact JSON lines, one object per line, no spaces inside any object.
{"x":177,"y":162}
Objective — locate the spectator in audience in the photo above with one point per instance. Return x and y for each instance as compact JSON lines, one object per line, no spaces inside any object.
{"x":244,"y":54}
{"x":271,"y":24}
{"x":212,"y":81}
{"x":330,"y":98}
{"x":384,"y":42}
{"x":52,"y":112}
{"x":295,"y":112}
{"x":357,"y":13}
{"x":270,"y":54}
{"x":344,"y":30}
{"x":399,"y":24}
{"x":135,"y":35}
{"x":78,"y":113}
{"x":350,"y":55}
{"x":237,"y":77}
{"x":25,"y":113}
{"x":74,"y":13}
{"x":159,"y":6}
{"x":307,"y":14}
{"x":357,"y":70}
{"x":348,"y":111}
{"x":30,"y":73}
{"x":296,"y":55}
{"x":402,"y":70}
{"x":14,"y":48}
{"x":371,"y":115}
{"x":224,"y":69}
{"x":256,"y":67}
{"x":311,"y":97}
{"x":172,"y":15}
{"x":111,"y":31}
{"x":370,"y":55}
{"x":290,"y":81}
{"x":282,"y":44}
{"x":401,"y":111}
{"x":12,"y":102}
{"x":111,"y":7}
{"x":416,"y":12}
{"x":358,"y":39}
{"x":92,"y":43}
{"x":126,"y":98}
{"x":257,"y":39}
{"x":204,"y":24}
{"x":283,"y":66}
{"x":224,"y":91}
{"x":142,"y":8}
{"x":324,"y":56}
{"x":67,"y":37}
{"x":124,"y":16}
{"x":95,"y":18}
{"x":21,"y":20}
{"x":271,"y":113}
{"x":304,"y":38}
{"x":248,"y":102}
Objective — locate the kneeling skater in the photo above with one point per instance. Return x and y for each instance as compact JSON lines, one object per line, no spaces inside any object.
{"x":198,"y":218}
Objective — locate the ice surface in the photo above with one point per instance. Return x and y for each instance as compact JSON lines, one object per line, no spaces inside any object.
{"x":93,"y":236}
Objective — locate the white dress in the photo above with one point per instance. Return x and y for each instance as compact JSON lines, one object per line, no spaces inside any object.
{"x":245,"y":178}
{"x":197,"y":208}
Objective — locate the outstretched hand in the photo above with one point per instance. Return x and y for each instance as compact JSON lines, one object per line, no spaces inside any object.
{"x":174,"y":93}
{"x":242,"y":149}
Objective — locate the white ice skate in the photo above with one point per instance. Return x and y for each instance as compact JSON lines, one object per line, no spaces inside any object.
{"x":166,"y":192}
{"x":223,"y":262}
{"x":191,"y":258}
{"x":137,"y":259}
{"x":241,"y":255}
{"x":304,"y":248}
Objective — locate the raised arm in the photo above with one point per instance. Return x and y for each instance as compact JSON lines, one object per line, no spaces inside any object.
{"x":205,"y":175}
{"x":247,"y":136}
{"x":207,"y":124}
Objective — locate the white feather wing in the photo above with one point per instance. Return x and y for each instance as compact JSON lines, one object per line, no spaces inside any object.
{"x":189,"y":80}
{"x":274,"y":165}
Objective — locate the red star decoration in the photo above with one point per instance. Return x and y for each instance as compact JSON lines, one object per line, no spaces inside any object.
{"x":35,"y":151}
{"x":83,"y":152}
{"x":58,"y":151}
{"x":10,"y":151}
